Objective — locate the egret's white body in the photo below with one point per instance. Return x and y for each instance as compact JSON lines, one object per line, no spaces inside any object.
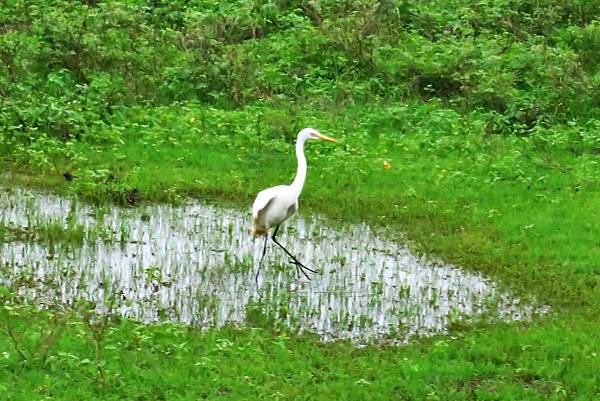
{"x":275,"y":205}
{"x":272,"y":207}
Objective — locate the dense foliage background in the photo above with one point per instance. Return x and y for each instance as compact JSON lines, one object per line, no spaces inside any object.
{"x":68,"y":66}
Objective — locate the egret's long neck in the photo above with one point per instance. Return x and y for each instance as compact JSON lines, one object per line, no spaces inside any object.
{"x":298,"y":183}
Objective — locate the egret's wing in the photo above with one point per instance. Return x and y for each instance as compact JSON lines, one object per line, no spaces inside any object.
{"x":263,"y":199}
{"x":259,"y":209}
{"x":258,"y":220}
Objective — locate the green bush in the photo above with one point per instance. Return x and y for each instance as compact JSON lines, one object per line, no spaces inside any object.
{"x":67,"y":66}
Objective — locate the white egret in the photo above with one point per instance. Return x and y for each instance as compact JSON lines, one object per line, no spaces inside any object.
{"x":275,"y":205}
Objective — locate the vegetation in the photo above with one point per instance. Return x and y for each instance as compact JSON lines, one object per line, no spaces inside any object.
{"x":488,"y":114}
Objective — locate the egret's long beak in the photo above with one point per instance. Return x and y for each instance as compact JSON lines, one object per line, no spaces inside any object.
{"x":326,"y":138}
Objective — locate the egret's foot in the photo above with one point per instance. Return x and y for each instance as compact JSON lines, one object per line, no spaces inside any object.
{"x":309,"y":269}
{"x":298,"y":271}
{"x":302,"y":268}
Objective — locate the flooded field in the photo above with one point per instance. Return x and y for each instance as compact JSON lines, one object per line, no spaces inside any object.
{"x":196,"y":264}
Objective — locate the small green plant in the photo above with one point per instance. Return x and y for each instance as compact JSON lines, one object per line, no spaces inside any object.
{"x":20,"y":319}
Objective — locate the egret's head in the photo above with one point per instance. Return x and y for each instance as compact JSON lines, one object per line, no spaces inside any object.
{"x":311,"y":133}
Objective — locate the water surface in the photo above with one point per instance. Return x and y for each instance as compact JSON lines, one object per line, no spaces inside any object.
{"x":196,"y":264}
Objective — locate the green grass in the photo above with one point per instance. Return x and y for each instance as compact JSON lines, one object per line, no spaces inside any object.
{"x":517,"y":209}
{"x":549,"y":360}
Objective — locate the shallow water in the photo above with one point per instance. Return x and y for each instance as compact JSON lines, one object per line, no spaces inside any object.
{"x":196,"y":264}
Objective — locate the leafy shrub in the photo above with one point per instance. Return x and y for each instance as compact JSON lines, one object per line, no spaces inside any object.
{"x":67,"y":67}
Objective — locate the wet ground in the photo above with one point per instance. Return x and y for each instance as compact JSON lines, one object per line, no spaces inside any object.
{"x":196,"y":264}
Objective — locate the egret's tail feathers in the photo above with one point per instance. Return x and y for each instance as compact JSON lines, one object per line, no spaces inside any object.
{"x":258,"y":231}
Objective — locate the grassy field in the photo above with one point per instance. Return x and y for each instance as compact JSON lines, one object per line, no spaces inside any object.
{"x":487,"y":114}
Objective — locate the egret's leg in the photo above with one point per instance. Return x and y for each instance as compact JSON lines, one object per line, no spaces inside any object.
{"x":293,"y":261}
{"x":296,"y":262}
{"x":262,"y":257}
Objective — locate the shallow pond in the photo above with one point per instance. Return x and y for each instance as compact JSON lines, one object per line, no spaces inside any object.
{"x":196,"y":264}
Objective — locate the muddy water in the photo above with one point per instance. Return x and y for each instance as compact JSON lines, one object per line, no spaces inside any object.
{"x":196,"y":264}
